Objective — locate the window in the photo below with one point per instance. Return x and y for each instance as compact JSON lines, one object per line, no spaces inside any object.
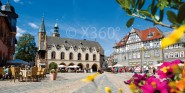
{"x":138,"y":55}
{"x":180,"y":45}
{"x":130,"y":56}
{"x":87,"y":57}
{"x":156,"y":44}
{"x":71,"y":56}
{"x":176,"y":54}
{"x":147,"y":54}
{"x":156,"y":53}
{"x":171,"y":47}
{"x":125,"y":58}
{"x":176,"y":45}
{"x":165,"y":55}
{"x":182,"y":54}
{"x":94,"y":57}
{"x":79,"y":56}
{"x":12,"y":41}
{"x":151,"y":34}
{"x":150,"y":63}
{"x":134,"y":55}
{"x":62,"y":55}
{"x":171,"y":55}
{"x":147,"y":45}
{"x":53,"y":54}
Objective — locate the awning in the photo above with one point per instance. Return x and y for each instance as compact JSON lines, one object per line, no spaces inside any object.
{"x":17,"y":61}
{"x":61,"y":66}
{"x":74,"y":66}
{"x":42,"y":63}
{"x":109,"y":66}
{"x":118,"y":65}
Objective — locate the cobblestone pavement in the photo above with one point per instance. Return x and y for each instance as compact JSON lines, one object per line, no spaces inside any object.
{"x":68,"y":83}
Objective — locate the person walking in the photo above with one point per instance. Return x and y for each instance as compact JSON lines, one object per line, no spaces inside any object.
{"x":146,"y":69}
{"x":154,"y":70}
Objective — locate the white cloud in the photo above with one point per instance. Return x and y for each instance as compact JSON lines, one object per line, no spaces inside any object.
{"x":20,"y":31}
{"x":16,"y":1}
{"x":33,"y":25}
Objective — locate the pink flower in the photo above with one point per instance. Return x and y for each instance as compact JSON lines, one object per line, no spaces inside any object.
{"x":154,"y":85}
{"x":137,"y":79}
{"x":176,"y":62}
{"x":166,"y":69}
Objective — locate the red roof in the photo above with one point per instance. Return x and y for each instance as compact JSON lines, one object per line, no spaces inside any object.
{"x":151,"y":34}
{"x":145,"y":35}
{"x":122,"y":41}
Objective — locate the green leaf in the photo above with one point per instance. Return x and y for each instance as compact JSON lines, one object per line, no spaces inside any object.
{"x":141,"y":3}
{"x":162,"y":4}
{"x":183,"y":22}
{"x":152,"y":5}
{"x":128,"y":11}
{"x":172,"y":17}
{"x":130,"y":22}
{"x":124,"y":3}
{"x":181,"y":13}
{"x":145,"y":12}
{"x":161,"y":15}
{"x":154,"y":10}
{"x":133,"y":3}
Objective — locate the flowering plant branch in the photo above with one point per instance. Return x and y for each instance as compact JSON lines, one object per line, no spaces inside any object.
{"x":170,"y":79}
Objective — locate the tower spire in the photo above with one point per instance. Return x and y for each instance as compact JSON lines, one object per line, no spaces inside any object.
{"x":42,"y":26}
{"x":56,"y":30}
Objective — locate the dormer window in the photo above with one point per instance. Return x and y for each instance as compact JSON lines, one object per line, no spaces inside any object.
{"x":58,"y":46}
{"x":65,"y":41}
{"x":151,"y":34}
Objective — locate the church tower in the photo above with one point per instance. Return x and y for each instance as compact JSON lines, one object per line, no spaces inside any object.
{"x":42,"y":36}
{"x":42,"y":52}
{"x":56,"y":31}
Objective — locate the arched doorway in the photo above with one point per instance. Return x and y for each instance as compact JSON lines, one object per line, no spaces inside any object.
{"x":71,"y":64}
{"x":80,"y":66}
{"x":94,"y":67}
{"x":63,"y":64}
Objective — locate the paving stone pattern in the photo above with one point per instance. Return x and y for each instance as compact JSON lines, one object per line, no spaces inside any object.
{"x":69,"y":83}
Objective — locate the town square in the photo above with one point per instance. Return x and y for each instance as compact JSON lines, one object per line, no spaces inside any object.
{"x":92,"y":46}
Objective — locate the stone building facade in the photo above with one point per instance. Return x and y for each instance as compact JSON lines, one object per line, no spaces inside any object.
{"x":176,"y":51}
{"x":142,"y":47}
{"x":8,"y":19}
{"x":68,"y":51}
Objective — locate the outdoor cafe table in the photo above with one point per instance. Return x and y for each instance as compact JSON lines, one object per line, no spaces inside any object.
{"x":25,"y":73}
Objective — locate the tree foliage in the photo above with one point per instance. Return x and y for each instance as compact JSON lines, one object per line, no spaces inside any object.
{"x":154,"y":11}
{"x":26,"y":48}
{"x":53,"y":65}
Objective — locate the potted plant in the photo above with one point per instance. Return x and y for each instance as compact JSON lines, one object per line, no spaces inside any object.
{"x":53,"y":71}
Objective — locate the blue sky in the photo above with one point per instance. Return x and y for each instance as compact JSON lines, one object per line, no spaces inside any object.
{"x":100,"y":20}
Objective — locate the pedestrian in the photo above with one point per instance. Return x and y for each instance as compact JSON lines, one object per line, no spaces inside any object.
{"x":154,"y":70}
{"x":146,"y":69}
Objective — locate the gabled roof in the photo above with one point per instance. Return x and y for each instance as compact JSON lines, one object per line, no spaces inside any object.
{"x":122,"y":41}
{"x":151,"y":34}
{"x":68,"y":42}
{"x":145,"y":35}
{"x":138,"y":32}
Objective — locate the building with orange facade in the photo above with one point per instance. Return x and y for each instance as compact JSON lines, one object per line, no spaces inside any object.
{"x":8,"y":19}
